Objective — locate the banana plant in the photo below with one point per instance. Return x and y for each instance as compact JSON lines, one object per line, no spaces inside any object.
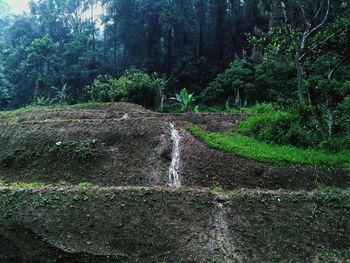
{"x":184,"y":99}
{"x":42,"y":101}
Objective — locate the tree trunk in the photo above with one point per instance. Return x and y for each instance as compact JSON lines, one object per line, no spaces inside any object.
{"x":301,"y":77}
{"x":115,"y":52}
{"x":93,"y":28}
{"x":220,"y":27}
{"x":201,"y":29}
{"x":238,"y":98}
{"x":329,"y":101}
{"x":329,"y":116}
{"x":170,"y":53}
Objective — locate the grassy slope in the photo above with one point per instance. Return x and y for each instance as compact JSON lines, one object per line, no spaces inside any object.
{"x":271,"y":153}
{"x":11,"y":115}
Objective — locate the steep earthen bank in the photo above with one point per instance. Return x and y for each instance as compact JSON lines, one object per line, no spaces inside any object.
{"x":124,"y":144}
{"x":134,"y":224}
{"x":111,"y":175}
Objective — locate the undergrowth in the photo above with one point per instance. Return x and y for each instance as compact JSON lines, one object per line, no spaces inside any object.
{"x":271,"y":153}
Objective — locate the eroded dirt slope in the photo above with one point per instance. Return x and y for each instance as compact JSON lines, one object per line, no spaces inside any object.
{"x":133,"y":224}
{"x":124,"y":144}
{"x":125,"y":210}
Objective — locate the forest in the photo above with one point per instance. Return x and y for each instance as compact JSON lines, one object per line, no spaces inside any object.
{"x":290,"y":56}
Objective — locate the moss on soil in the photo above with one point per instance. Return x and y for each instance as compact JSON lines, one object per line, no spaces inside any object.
{"x":164,"y":225}
{"x":55,"y":164}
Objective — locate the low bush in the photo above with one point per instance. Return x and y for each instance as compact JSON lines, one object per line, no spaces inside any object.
{"x":296,"y":127}
{"x":260,"y":108}
{"x":280,"y":127}
{"x":136,"y":87}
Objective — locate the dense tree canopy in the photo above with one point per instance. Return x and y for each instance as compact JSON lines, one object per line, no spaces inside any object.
{"x":70,"y":42}
{"x":228,"y":52}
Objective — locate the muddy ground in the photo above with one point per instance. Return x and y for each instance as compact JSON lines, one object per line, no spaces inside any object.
{"x":125,"y":210}
{"x":124,"y":144}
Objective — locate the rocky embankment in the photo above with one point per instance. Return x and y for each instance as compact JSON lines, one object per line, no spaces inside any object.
{"x":118,"y":183}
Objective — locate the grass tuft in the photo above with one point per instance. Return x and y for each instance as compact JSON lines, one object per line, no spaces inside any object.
{"x":26,"y":185}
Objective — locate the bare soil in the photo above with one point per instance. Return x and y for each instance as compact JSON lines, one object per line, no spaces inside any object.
{"x":124,"y":144}
{"x":128,"y":213}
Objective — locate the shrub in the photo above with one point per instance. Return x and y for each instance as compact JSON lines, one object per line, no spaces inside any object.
{"x":337,"y":144}
{"x":280,"y":127}
{"x":260,"y":108}
{"x":137,"y":87}
{"x":344,"y":115}
{"x":99,"y":90}
{"x":275,"y":81}
{"x":235,"y":82}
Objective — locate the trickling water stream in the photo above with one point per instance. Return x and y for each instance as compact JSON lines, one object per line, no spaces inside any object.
{"x":174,"y":178}
{"x":221,"y":241}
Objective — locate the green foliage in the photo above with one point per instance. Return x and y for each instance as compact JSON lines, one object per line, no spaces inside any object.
{"x":86,"y":185}
{"x":275,"y":81}
{"x":26,"y":185}
{"x":42,"y":101}
{"x":279,"y":127}
{"x":219,"y":190}
{"x":184,"y":99}
{"x":197,"y":109}
{"x":136,"y":87}
{"x":235,"y":82}
{"x":45,"y":201}
{"x":64,"y":95}
{"x":83,"y":151}
{"x":295,"y":127}
{"x":260,"y":108}
{"x":271,"y":153}
{"x":58,"y":44}
{"x":344,"y":114}
{"x":39,"y":66}
{"x":100,"y":88}
{"x":5,"y":87}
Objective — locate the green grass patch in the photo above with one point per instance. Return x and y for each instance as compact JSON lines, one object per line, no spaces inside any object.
{"x":11,"y":115}
{"x":270,"y":153}
{"x":26,"y":185}
{"x":86,"y":185}
{"x":219,"y":190}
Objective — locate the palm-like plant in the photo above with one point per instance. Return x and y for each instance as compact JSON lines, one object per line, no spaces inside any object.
{"x":63,"y":95}
{"x":184,"y":99}
{"x":42,"y":101}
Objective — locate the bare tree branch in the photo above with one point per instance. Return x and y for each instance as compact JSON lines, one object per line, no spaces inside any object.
{"x":319,"y":44}
{"x":318,"y":11}
{"x":323,"y":22}
{"x":336,"y":67}
{"x":308,"y":32}
{"x":285,"y":15}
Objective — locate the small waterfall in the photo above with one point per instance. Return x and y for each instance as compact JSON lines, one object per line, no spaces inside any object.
{"x":175,"y":158}
{"x":221,"y":242}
